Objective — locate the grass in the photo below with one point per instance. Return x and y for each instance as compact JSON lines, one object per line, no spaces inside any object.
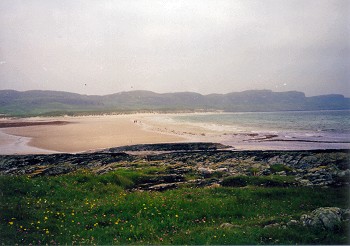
{"x":268,"y":181}
{"x":279,"y":168}
{"x":84,"y":208}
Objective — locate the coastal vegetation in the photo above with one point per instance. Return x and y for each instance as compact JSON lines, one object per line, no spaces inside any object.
{"x":85,"y":208}
{"x":189,"y":197}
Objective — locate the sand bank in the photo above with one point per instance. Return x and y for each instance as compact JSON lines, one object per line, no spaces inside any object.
{"x":86,"y":133}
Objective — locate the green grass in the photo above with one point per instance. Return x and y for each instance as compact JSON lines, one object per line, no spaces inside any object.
{"x":84,"y":208}
{"x":267,"y":181}
{"x":279,"y":168}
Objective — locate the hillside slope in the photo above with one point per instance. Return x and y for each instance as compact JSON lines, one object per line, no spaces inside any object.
{"x":36,"y":102}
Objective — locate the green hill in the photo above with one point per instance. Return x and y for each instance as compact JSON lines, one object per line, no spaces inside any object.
{"x":36,"y":102}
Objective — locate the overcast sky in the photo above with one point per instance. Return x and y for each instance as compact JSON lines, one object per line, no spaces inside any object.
{"x":106,"y":46}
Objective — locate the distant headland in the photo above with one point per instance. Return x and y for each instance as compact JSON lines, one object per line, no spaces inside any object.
{"x":40,"y":102}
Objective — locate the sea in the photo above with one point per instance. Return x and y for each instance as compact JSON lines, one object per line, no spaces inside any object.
{"x":295,"y":130}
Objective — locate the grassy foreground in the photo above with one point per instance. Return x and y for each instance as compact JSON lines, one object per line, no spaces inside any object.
{"x":84,"y":208}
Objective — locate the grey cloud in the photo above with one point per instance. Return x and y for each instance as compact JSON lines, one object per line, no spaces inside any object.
{"x":204,"y":46}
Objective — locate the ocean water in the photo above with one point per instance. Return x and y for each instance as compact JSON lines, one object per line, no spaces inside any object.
{"x":279,"y":130}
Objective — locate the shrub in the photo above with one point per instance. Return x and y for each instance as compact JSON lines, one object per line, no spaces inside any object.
{"x":279,"y":168}
{"x":253,"y":171}
{"x":235,"y":181}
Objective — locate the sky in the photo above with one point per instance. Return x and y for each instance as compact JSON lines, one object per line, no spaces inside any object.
{"x":206,"y":46}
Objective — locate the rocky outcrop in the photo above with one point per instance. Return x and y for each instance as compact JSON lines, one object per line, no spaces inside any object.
{"x":56,"y":164}
{"x":196,"y":146}
{"x":206,"y":163}
{"x":326,"y":218}
{"x":163,"y":187}
{"x":160,"y":182}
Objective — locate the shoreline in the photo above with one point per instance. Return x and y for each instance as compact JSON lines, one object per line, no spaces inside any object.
{"x":242,"y":138}
{"x":79,"y":134}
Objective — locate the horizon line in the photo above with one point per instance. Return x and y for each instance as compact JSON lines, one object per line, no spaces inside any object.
{"x":174,"y":92}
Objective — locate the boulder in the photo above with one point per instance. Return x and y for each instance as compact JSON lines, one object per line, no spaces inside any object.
{"x":345,"y":173}
{"x":292,"y":223}
{"x":281,"y":173}
{"x":304,"y":182}
{"x":326,"y":218}
{"x":205,"y":171}
{"x":222,"y":169}
{"x":228,"y":226}
{"x":213,"y":186}
{"x":346,"y":215}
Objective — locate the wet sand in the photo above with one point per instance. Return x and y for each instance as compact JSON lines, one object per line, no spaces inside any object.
{"x":80,"y":134}
{"x":24,"y":123}
{"x":10,"y":144}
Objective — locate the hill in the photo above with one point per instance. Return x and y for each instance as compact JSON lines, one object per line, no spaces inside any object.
{"x":36,"y":102}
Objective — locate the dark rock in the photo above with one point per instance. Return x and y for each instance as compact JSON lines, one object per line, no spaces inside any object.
{"x":205,"y":182}
{"x":169,"y":147}
{"x":346,"y":215}
{"x":163,"y":187}
{"x":53,"y":171}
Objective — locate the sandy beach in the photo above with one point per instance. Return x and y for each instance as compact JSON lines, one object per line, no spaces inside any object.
{"x":90,"y":133}
{"x":79,"y":134}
